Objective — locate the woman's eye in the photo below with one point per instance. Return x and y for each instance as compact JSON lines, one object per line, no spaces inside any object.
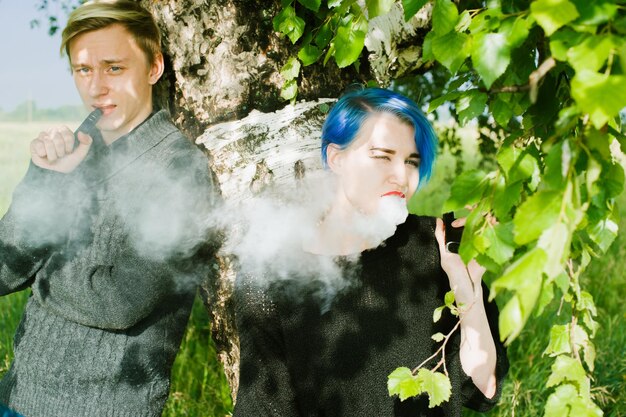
{"x":385,"y":157}
{"x":413,"y":162}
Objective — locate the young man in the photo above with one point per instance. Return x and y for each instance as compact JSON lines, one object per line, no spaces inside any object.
{"x":109,"y":234}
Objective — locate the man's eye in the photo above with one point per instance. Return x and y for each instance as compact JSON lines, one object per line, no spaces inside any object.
{"x":83,"y":70}
{"x":115,"y":69}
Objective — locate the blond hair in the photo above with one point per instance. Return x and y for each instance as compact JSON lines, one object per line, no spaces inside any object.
{"x":96,"y":15}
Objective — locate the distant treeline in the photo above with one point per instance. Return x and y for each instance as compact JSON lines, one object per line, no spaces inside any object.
{"x":29,"y":112}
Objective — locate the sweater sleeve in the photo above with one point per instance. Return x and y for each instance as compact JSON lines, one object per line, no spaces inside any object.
{"x":35,"y":222}
{"x":472,"y":396}
{"x":135,"y":256}
{"x":265,"y":387}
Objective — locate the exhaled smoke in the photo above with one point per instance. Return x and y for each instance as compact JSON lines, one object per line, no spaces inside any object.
{"x":269,"y":232}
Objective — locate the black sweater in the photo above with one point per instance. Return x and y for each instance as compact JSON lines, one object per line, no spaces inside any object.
{"x":299,"y":358}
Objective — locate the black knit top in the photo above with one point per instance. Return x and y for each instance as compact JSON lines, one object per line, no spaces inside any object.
{"x":301,"y":356}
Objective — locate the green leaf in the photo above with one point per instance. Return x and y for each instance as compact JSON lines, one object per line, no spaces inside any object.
{"x":545,"y":297}
{"x":427,"y":47}
{"x":324,"y":35}
{"x":437,"y":313}
{"x":585,"y":302}
{"x":288,"y":23}
{"x":505,"y":198}
{"x":378,"y":7}
{"x":511,"y":320}
{"x":467,"y":189}
{"x":558,"y":156}
{"x":555,"y":240}
{"x":591,"y":54}
{"x":435,"y":103}
{"x":486,"y":21}
{"x":501,"y":111}
{"x":517,"y":164}
{"x":311,"y":4}
{"x":403,"y":383}
{"x":515,"y":31}
{"x":594,"y":13}
{"x":291,"y":69}
{"x":566,"y":368}
{"x":449,"y":298}
{"x":524,"y":277}
{"x":444,"y":18}
{"x":349,"y":42}
{"x":536,"y":214}
{"x":411,"y":7}
{"x":437,"y":337}
{"x":491,"y":55}
{"x":502,"y":247}
{"x":563,"y":40}
{"x":558,"y":404}
{"x":553,"y":14}
{"x":465,"y":19}
{"x":603,"y":234}
{"x":599,"y":95}
{"x":470,"y":105}
{"x":289,"y":90}
{"x":559,"y":340}
{"x":436,"y":385}
{"x":451,"y":50}
{"x":309,"y":54}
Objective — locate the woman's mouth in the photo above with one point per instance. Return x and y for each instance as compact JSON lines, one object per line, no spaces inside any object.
{"x":394,"y":193}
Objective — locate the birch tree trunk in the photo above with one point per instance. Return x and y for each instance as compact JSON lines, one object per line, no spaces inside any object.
{"x":222,"y":86}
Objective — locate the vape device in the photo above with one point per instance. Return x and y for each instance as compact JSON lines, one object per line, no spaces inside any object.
{"x":88,"y":125}
{"x":453,"y":234}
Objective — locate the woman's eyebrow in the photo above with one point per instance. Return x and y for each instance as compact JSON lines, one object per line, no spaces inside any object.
{"x":385,"y":150}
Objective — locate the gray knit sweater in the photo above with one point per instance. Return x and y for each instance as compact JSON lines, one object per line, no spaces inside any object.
{"x":112,"y":254}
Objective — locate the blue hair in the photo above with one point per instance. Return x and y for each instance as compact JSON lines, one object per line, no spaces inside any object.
{"x":349,"y":113}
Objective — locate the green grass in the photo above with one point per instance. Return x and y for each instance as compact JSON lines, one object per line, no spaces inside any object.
{"x":199,"y":387}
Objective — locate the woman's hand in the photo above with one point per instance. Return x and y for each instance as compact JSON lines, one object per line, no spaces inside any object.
{"x":464,"y":281}
{"x":478,"y":351}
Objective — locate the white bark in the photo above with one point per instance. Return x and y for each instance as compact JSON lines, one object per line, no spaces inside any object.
{"x":247,"y":155}
{"x":395,"y":46}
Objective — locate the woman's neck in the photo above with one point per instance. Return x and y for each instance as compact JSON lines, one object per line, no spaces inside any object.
{"x":340,"y":233}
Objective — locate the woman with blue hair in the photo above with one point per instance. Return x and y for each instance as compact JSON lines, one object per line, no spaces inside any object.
{"x":300,"y":357}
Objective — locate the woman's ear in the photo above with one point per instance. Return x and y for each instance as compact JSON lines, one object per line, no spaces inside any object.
{"x":334,"y":156}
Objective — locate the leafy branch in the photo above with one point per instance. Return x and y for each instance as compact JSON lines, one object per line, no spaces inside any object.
{"x":557,"y":170}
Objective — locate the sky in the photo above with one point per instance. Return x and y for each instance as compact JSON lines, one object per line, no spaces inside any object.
{"x":32,"y":66}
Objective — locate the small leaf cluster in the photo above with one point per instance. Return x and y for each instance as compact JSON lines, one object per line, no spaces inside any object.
{"x":407,"y":383}
{"x":339,"y":32}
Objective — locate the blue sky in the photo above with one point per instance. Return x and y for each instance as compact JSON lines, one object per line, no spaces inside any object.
{"x":32,"y":66}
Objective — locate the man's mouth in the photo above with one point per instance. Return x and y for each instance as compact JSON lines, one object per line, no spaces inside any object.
{"x":106,"y":109}
{"x":394,"y":193}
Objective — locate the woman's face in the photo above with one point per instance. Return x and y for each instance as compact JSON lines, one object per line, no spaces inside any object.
{"x":382,"y":162}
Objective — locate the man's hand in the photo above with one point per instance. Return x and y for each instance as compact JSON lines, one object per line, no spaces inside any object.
{"x":54,"y":149}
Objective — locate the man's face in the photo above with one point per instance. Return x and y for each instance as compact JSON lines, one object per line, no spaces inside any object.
{"x":111,"y":72}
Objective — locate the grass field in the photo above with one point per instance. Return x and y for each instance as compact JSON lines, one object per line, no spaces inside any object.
{"x":199,"y":388}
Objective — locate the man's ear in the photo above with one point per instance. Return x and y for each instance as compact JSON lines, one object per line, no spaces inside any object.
{"x":156,"y":69}
{"x":334,"y":157}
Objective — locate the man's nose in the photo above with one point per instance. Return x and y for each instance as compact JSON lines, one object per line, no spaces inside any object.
{"x":97,"y":84}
